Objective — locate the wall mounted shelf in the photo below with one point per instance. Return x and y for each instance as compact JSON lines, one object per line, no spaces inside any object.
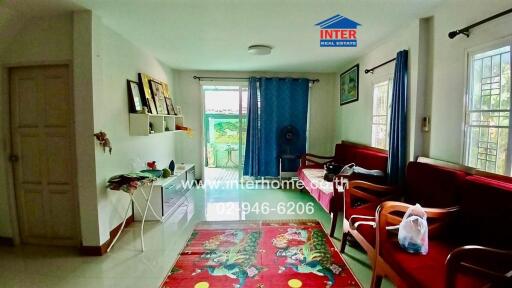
{"x":139,"y":124}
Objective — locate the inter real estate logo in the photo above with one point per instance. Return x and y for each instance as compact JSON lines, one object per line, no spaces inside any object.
{"x":338,"y":31}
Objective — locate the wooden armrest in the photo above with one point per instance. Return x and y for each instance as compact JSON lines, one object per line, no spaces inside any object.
{"x":385,"y":218}
{"x":386,"y":192}
{"x":308,"y":158}
{"x":491,"y":264}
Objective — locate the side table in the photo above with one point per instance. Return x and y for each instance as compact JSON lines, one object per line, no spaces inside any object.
{"x":132,"y":183}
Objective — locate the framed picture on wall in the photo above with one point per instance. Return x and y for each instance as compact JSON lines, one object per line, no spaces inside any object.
{"x":145,"y":90}
{"x":134,"y":98}
{"x":170,"y":106}
{"x":157,"y":90}
{"x":349,"y":85}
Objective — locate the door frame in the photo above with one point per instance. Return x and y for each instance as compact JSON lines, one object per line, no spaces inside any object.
{"x":5,"y":97}
{"x":240,"y":84}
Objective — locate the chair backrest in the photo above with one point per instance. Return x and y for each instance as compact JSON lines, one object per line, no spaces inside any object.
{"x":364,"y":156}
{"x":433,"y":185}
{"x":486,"y":212}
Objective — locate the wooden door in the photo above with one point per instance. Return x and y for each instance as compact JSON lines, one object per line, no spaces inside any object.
{"x":43,"y":155}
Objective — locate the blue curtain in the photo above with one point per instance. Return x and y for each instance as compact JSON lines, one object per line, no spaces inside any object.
{"x":283,"y":102}
{"x":252,"y":144}
{"x":398,"y":122}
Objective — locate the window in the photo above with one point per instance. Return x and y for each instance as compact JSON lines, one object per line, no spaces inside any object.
{"x":487,"y":124}
{"x":380,"y":117}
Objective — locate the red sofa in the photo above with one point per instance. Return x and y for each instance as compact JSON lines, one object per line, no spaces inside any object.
{"x":427,"y":184}
{"x":330,"y":194}
{"x":482,"y":217}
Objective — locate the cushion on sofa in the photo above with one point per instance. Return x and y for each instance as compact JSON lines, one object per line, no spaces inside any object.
{"x":366,"y":231}
{"x":321,"y":190}
{"x":418,"y":270}
{"x":433,"y":186}
{"x":486,"y":213}
{"x":427,"y":270}
{"x":346,"y":153}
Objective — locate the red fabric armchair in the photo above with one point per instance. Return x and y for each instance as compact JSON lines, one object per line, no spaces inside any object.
{"x":481,"y":218}
{"x":476,"y":266}
{"x":427,"y":184}
{"x":403,"y":268}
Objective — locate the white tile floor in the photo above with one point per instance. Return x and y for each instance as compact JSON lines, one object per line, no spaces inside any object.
{"x":126,"y":265}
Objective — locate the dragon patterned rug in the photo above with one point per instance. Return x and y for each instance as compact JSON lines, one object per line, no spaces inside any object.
{"x":260,"y":254}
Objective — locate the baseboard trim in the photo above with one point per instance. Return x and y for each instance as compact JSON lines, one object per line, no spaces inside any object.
{"x":6,"y":241}
{"x":102,"y":250}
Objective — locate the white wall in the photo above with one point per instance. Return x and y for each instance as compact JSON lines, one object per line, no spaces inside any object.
{"x":449,"y":66}
{"x":102,"y":60}
{"x":116,"y":60}
{"x":437,"y":80}
{"x":84,"y":125}
{"x":353,"y":121}
{"x":42,"y":40}
{"x":322,"y":108}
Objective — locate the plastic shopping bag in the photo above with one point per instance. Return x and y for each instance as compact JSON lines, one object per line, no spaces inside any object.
{"x":413,"y":231}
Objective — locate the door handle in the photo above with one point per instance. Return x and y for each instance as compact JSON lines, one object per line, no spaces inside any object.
{"x":14,"y":158}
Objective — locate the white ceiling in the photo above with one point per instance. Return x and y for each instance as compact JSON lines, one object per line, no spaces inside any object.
{"x":215,"y":34}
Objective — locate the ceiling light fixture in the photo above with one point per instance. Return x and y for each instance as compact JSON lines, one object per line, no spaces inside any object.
{"x":259,"y":49}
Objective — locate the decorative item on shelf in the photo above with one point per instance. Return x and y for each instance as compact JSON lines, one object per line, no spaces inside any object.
{"x":135,"y":100}
{"x":151,"y":165}
{"x":157,"y":90}
{"x":184,"y":129}
{"x":168,"y":100}
{"x":349,"y":85}
{"x":166,"y":173}
{"x":148,"y":96}
{"x":167,"y":127}
{"x":170,"y":106}
{"x":172,"y":166}
{"x":104,"y":141}
{"x":151,"y":130}
{"x":146,"y":92}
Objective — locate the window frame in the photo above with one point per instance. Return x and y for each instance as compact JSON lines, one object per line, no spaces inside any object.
{"x":468,"y":89}
{"x":387,"y":77}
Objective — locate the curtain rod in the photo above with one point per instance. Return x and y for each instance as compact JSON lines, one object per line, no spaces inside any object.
{"x":366,"y":71}
{"x":240,"y":78}
{"x":465,"y":30}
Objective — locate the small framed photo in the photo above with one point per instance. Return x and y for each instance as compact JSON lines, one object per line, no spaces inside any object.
{"x":158,"y":95}
{"x":349,"y":85}
{"x":170,"y":106}
{"x":135,"y":100}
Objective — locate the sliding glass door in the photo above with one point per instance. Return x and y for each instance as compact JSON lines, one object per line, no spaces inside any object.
{"x":225,"y":126}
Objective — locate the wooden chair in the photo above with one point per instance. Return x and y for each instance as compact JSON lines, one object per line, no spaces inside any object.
{"x":360,"y":203}
{"x":485,"y":265}
{"x":389,"y":214}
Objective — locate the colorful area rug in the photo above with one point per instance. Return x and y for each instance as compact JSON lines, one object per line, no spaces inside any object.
{"x":262,"y":254}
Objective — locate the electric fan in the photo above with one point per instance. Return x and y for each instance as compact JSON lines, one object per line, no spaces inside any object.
{"x":289,"y":140}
